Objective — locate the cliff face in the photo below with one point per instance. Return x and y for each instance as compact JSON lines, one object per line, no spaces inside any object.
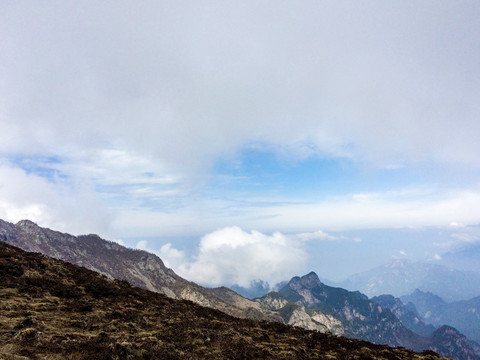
{"x":51,"y":309}
{"x":298,"y":315}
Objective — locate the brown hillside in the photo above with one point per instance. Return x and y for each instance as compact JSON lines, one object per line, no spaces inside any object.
{"x":50,"y":309}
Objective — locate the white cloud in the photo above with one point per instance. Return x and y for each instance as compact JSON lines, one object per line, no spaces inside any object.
{"x":89,"y":190}
{"x":120,"y":173}
{"x":139,"y":104}
{"x":378,"y":211}
{"x":316,"y":235}
{"x":459,"y":237}
{"x":140,"y":198}
{"x":232,"y":256}
{"x":61,"y":206}
{"x":142,"y":245}
{"x":465,"y":237}
{"x":185,"y":82}
{"x":120,"y":242}
{"x":295,"y":217}
{"x":173,"y":258}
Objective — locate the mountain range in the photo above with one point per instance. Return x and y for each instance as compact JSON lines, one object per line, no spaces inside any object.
{"x":402,"y":277}
{"x":463,"y":315}
{"x":302,"y":302}
{"x":311,"y":303}
{"x":50,"y":309}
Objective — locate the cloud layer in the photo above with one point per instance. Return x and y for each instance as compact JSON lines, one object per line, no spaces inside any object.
{"x":137,"y":102}
{"x":382,"y":83}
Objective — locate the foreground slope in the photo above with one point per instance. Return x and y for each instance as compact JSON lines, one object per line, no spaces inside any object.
{"x":138,"y":267}
{"x":50,"y":309}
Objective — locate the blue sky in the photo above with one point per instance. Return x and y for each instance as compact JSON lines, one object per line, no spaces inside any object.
{"x":245,"y":140}
{"x":263,"y":170}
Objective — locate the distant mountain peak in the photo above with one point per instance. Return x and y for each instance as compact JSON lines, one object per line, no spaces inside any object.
{"x":309,"y":281}
{"x":312,"y":274}
{"x":427,"y":295}
{"x":417,"y":291}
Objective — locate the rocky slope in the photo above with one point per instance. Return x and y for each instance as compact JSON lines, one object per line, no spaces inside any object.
{"x":360,"y":317}
{"x":298,"y":315}
{"x":51,"y":309}
{"x":138,"y":267}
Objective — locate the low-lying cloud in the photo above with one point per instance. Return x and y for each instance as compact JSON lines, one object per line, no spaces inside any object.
{"x":232,"y":256}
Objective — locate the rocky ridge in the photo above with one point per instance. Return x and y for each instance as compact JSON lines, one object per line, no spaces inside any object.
{"x":407,"y":314}
{"x":138,"y":267}
{"x":353,"y":315}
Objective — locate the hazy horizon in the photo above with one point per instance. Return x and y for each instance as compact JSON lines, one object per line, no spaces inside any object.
{"x":244,"y":141}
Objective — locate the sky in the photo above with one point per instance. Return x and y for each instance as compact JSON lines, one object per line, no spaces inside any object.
{"x":245,"y":140}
